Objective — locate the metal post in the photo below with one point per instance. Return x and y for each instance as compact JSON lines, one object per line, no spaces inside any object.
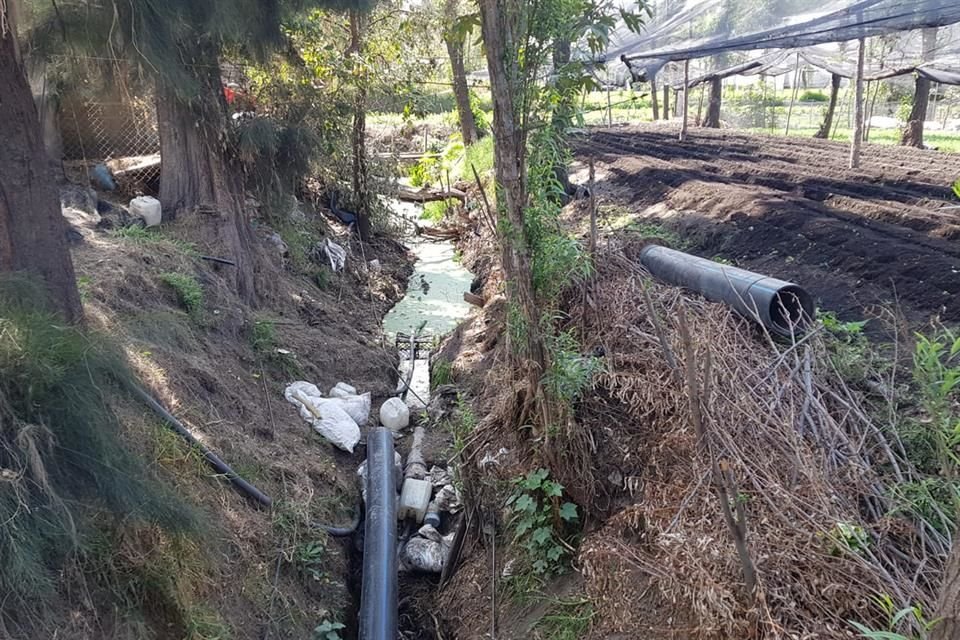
{"x":796,"y":87}
{"x":609,"y":107}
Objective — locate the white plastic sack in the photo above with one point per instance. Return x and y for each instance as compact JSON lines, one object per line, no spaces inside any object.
{"x":358,"y":407}
{"x":426,"y":551}
{"x":342,"y":389}
{"x":394,"y":414}
{"x":423,"y":555}
{"x":336,"y":254}
{"x":328,"y":416}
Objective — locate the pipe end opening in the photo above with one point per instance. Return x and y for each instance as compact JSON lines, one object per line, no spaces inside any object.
{"x":791,"y":310}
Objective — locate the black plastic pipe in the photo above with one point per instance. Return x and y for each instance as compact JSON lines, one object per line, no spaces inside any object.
{"x":212,"y":459}
{"x":378,"y":594}
{"x":782,"y":307}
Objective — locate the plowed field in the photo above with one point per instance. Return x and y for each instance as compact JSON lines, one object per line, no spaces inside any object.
{"x":884,"y":234}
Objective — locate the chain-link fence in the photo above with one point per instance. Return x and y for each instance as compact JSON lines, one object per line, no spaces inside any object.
{"x":121,"y":135}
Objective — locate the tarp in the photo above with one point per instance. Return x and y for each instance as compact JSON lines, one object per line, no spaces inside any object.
{"x":943,"y":76}
{"x":859,"y":19}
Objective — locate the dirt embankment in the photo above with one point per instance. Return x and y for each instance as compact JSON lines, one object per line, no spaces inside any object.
{"x":221,"y":369}
{"x":880,"y":235}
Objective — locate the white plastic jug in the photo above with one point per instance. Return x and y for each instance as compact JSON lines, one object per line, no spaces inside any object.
{"x":147,"y":208}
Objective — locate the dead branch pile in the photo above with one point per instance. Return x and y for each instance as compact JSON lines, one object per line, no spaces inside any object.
{"x":753,"y":484}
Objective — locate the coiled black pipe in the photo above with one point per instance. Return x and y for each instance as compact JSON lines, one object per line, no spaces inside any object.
{"x":378,"y":595}
{"x":212,"y":459}
{"x":782,"y":307}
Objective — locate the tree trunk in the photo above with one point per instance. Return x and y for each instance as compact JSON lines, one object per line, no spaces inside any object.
{"x":913,"y":132}
{"x":197,"y":180}
{"x":468,"y":127}
{"x":32,"y":228}
{"x":948,"y":607}
{"x":713,"y":106}
{"x":563,"y":116}
{"x":827,"y":124}
{"x":358,"y":137}
{"x":529,"y":358}
{"x":654,"y":100}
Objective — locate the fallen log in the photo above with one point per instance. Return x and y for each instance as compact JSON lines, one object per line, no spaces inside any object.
{"x":430,"y":195}
{"x":438,"y":233}
{"x":474,"y":299}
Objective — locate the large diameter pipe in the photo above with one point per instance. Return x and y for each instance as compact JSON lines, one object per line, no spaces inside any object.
{"x":782,"y":307}
{"x":378,"y":594}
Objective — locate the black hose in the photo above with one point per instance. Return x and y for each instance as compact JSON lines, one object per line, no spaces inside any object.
{"x":378,"y":596}
{"x":345,"y":531}
{"x":212,"y":459}
{"x":782,"y":307}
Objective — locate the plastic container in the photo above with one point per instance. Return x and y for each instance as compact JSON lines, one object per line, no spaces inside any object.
{"x":146,"y":208}
{"x":414,"y":499}
{"x":432,"y":516}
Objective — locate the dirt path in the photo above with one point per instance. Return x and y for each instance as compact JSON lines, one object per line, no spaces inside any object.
{"x":791,"y":208}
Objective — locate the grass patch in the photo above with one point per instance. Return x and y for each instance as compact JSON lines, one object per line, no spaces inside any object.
{"x":437,"y":210}
{"x":943,"y":140}
{"x":618,"y":218}
{"x":566,"y":620}
{"x":61,"y":455}
{"x":263,"y":341}
{"x":441,"y":373}
{"x":188,"y":291}
{"x":152,"y":236}
{"x":480,"y":156}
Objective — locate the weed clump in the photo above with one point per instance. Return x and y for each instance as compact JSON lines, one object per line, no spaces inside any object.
{"x":188,"y":290}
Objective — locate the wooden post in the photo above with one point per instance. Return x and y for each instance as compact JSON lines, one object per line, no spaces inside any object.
{"x":666,"y":100}
{"x":609,"y":107}
{"x":593,"y":212}
{"x":686,"y":99}
{"x":654,"y":98}
{"x":858,"y":109}
{"x":796,"y":87}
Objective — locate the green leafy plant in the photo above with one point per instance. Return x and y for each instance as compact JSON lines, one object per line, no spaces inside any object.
{"x":895,"y":619}
{"x":188,"y":291}
{"x":541,"y":521}
{"x":328,"y":630}
{"x":263,"y":336}
{"x":309,"y":558}
{"x":848,"y":347}
{"x":936,"y":371}
{"x":847,"y":538}
{"x":570,"y":372}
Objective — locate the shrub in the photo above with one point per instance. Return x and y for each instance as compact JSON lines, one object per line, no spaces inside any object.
{"x":813,"y":96}
{"x":60,"y":446}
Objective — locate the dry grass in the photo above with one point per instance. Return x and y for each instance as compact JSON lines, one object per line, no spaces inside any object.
{"x":804,"y":466}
